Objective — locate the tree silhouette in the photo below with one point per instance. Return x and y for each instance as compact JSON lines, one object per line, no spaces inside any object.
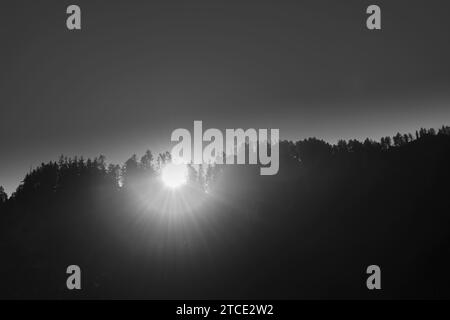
{"x":3,"y":195}
{"x":147,"y":161}
{"x":130,"y":171}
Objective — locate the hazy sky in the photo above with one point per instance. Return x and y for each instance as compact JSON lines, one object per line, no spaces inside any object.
{"x":139,"y":69}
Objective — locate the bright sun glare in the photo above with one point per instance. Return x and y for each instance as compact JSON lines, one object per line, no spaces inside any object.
{"x":174,"y":175}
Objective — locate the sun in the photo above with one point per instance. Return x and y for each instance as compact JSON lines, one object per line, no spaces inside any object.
{"x":174,"y":175}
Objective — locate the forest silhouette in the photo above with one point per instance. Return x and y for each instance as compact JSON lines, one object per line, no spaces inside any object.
{"x":308,"y":232}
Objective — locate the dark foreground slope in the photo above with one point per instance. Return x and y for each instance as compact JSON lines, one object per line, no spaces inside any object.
{"x":309,"y":232}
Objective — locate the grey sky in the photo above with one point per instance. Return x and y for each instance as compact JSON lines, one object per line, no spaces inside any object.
{"x":139,"y":69}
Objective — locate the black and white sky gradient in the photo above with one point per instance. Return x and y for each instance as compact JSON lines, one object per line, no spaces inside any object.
{"x":140,"y":69}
